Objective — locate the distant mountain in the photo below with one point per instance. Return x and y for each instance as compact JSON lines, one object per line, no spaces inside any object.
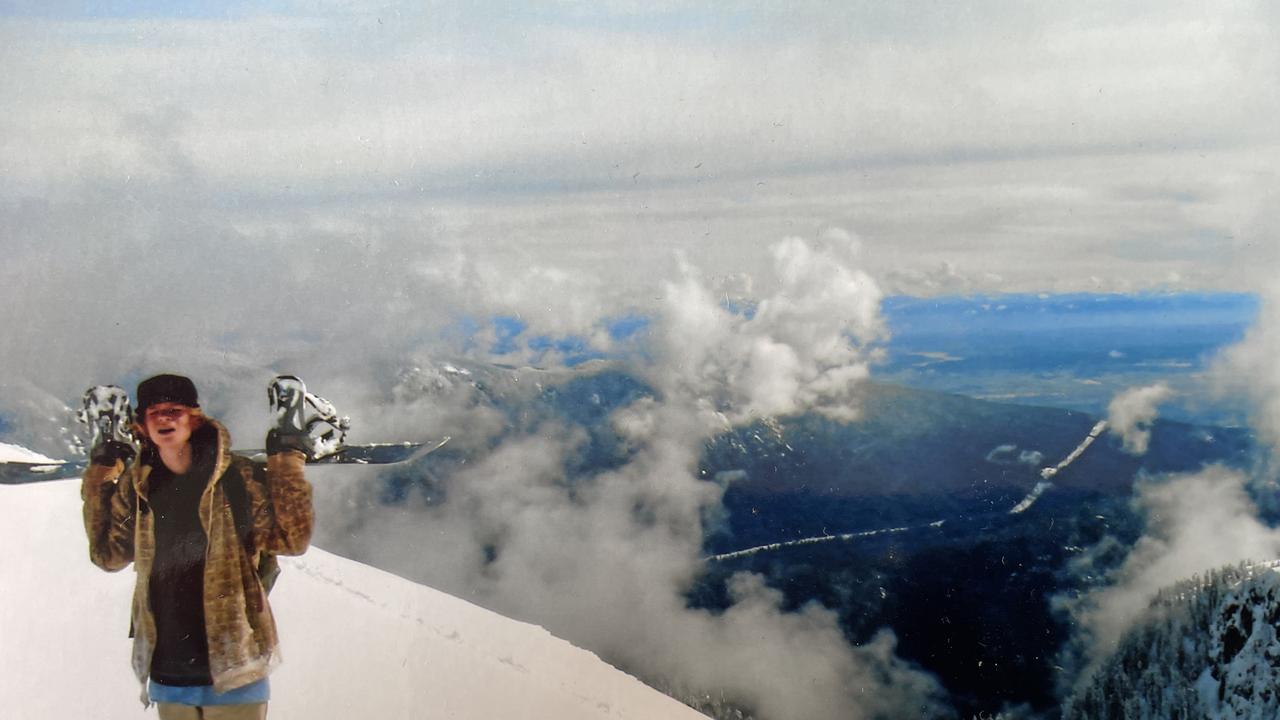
{"x":1208,"y":648}
{"x":906,"y":519}
{"x":919,"y":456}
{"x":915,"y":455}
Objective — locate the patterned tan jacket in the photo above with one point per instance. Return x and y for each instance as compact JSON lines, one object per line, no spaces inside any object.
{"x":238,"y":621}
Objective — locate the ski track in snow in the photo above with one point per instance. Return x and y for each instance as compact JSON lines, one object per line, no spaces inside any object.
{"x":301,"y":565}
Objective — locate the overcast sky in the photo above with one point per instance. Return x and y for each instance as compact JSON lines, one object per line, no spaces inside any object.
{"x":247,"y":167}
{"x":1061,"y":146}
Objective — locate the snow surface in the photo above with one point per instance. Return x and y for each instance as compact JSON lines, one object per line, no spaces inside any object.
{"x":357,"y":642}
{"x":1031,"y":497}
{"x":17,"y":453}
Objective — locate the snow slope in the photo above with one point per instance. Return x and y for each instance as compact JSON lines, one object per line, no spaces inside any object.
{"x":357,"y":642}
{"x":17,"y":453}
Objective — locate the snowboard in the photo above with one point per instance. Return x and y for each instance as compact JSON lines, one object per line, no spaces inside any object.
{"x":108,"y":413}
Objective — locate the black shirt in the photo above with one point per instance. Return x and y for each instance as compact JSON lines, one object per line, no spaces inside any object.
{"x":181,"y":654}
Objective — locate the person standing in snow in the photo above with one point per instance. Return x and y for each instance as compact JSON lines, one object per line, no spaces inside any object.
{"x":196,"y":521}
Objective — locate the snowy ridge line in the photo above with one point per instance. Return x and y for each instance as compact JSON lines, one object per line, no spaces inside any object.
{"x":819,"y":539}
{"x":20,"y":465}
{"x":1049,"y":472}
{"x":1031,"y":497}
{"x":1248,"y":572}
{"x":1097,"y":430}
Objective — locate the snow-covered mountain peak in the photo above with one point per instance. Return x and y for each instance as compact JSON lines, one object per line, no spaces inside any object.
{"x":1207,"y":649}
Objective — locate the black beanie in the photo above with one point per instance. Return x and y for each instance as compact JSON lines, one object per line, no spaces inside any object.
{"x":166,"y":388}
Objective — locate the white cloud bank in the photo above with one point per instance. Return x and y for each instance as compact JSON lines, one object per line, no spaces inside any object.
{"x":606,"y":560}
{"x":806,"y":347}
{"x":1250,"y":370}
{"x":986,"y":148}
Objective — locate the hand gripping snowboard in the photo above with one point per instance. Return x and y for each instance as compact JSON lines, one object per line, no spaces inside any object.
{"x":108,"y":413}
{"x":299,"y":413}
{"x":307,"y":416}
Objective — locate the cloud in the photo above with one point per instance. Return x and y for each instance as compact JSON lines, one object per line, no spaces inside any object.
{"x":1130,"y":414}
{"x":807,"y":346}
{"x":942,"y":279}
{"x":604,"y":564}
{"x":407,"y":95}
{"x":1010,"y":455}
{"x":1249,"y":370}
{"x":543,"y":300}
{"x":606,"y":560}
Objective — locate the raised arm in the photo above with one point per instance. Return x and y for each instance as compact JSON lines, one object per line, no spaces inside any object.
{"x":110,"y":514}
{"x":280,"y":502}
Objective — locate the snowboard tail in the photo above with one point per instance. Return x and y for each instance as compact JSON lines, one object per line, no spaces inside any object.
{"x":372,"y":454}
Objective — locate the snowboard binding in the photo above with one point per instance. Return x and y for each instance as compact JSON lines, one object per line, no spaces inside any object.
{"x":303,"y":420}
{"x":109,"y":414}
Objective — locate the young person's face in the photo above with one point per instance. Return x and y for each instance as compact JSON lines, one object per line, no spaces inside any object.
{"x":168,"y":425}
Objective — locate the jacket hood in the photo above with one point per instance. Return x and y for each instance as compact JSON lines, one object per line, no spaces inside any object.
{"x":211,"y":447}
